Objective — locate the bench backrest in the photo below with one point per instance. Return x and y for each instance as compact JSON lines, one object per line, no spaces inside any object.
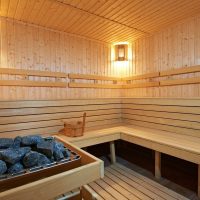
{"x":44,"y":117}
{"x":175,"y":115}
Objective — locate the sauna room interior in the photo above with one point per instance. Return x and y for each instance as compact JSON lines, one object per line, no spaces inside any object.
{"x":99,"y":99}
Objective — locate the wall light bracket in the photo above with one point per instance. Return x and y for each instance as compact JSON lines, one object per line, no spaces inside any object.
{"x":121,"y":52}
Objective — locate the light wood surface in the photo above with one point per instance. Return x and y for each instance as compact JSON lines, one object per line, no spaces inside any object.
{"x":174,"y":52}
{"x":142,"y":76}
{"x":181,"y":146}
{"x":45,"y":117}
{"x":26,"y":83}
{"x":173,"y":115}
{"x":32,"y":73}
{"x":122,"y":183}
{"x":94,"y":85}
{"x":93,"y":77}
{"x":141,"y":85}
{"x":32,"y":48}
{"x":110,"y":21}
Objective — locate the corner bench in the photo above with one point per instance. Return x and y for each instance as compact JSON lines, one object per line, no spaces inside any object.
{"x":172,"y":125}
{"x":180,"y":146}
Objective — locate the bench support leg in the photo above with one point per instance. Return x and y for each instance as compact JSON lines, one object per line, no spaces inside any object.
{"x":157,"y":164}
{"x":112,"y":152}
{"x":199,"y":181}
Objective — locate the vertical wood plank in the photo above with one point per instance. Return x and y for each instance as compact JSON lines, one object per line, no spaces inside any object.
{"x":157,"y":164}
{"x":112,"y":152}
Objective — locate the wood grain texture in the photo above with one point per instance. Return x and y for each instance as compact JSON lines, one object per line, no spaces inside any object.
{"x":123,"y":183}
{"x":43,"y":117}
{"x":30,"y":47}
{"x":110,"y":20}
{"x":174,"y":48}
{"x":181,"y":119}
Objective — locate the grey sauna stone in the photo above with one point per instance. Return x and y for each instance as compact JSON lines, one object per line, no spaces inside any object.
{"x":12,"y":156}
{"x":58,"y":155}
{"x":3,"y":167}
{"x":59,"y":146}
{"x":17,"y":142}
{"x":17,"y":167}
{"x":46,"y":148}
{"x":31,"y":159}
{"x":31,"y":140}
{"x":66,"y":153}
{"x":5,"y":143}
{"x":58,"y":151}
{"x":43,"y":160}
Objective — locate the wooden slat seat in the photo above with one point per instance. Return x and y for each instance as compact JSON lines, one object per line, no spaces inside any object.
{"x":121,"y":183}
{"x":178,"y":145}
{"x":170,"y":126}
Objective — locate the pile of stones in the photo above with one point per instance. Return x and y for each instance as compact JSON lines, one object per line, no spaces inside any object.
{"x":28,"y":152}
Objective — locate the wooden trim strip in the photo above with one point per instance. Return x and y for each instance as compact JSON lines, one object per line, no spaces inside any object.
{"x":142,"y":76}
{"x":90,"y":85}
{"x":24,"y":72}
{"x":27,"y":83}
{"x":183,"y":81}
{"x":93,"y":77}
{"x":185,"y":70}
{"x":141,"y":85}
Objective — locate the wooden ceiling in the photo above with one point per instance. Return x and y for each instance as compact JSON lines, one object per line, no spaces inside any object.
{"x":104,"y":20}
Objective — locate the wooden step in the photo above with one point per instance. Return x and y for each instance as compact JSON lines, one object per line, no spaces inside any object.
{"x":121,"y":183}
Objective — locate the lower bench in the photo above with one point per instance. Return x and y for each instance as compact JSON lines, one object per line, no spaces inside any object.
{"x":121,"y":183}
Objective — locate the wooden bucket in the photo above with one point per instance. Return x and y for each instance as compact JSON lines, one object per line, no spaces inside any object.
{"x":73,"y":128}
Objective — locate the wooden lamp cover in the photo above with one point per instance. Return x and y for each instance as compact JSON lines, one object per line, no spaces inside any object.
{"x":73,"y":128}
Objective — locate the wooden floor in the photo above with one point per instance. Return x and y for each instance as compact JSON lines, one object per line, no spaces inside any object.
{"x":122,"y":183}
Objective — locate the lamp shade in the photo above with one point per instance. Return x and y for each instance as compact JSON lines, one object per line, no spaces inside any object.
{"x":121,"y":52}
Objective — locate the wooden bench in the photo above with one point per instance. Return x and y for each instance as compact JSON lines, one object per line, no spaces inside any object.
{"x":170,"y":126}
{"x":121,"y":183}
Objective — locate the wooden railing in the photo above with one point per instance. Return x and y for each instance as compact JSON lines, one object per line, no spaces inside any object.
{"x":106,"y":82}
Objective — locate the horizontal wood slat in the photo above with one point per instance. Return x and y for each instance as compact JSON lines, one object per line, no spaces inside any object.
{"x":53,"y":103}
{"x":173,"y":115}
{"x":141,"y":85}
{"x":55,"y":129}
{"x":159,"y":108}
{"x":93,"y":77}
{"x":166,"y":114}
{"x":184,"y":70}
{"x":27,"y":83}
{"x":173,"y":129}
{"x":44,"y":117}
{"x":90,"y":85}
{"x":142,"y":76}
{"x":55,"y":122}
{"x":12,"y":71}
{"x":120,"y":182}
{"x":50,"y":116}
{"x":164,"y":121}
{"x":183,"y":81}
{"x":190,"y":102}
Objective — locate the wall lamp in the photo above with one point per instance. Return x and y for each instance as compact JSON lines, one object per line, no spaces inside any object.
{"x":121,"y":52}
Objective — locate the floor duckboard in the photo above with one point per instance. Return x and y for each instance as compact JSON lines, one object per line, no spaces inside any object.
{"x":121,"y":183}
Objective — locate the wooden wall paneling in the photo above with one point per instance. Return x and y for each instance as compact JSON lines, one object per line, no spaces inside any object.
{"x":118,"y":16}
{"x":43,"y":49}
{"x":45,"y":116}
{"x":169,"y":49}
{"x":174,"y":115}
